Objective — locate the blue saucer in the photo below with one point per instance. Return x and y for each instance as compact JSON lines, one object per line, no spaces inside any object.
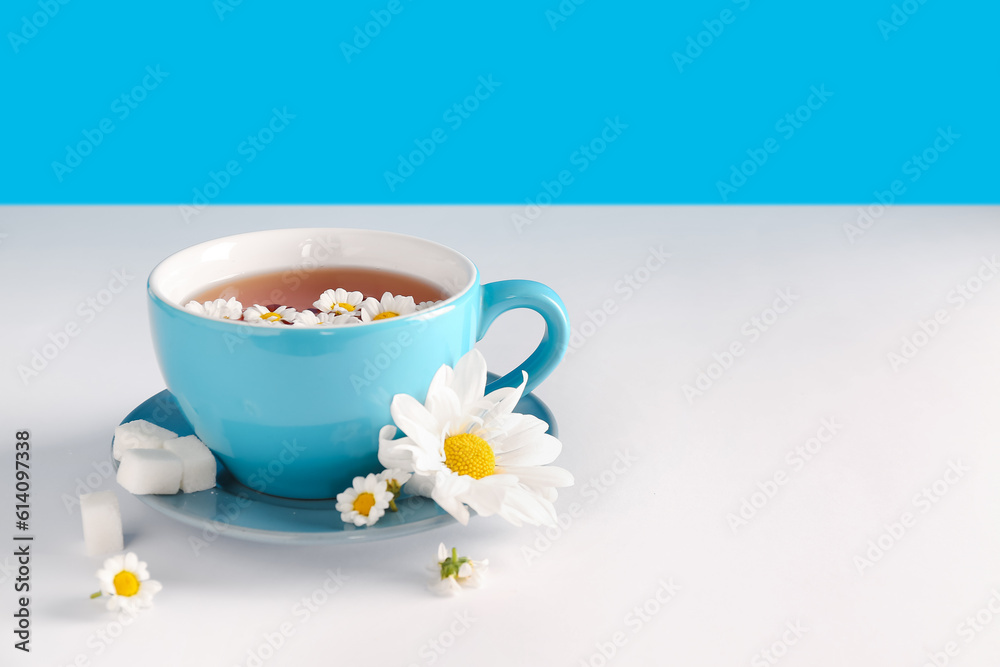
{"x":234,"y":510}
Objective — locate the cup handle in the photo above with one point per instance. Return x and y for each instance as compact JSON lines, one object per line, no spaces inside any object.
{"x":505,"y":295}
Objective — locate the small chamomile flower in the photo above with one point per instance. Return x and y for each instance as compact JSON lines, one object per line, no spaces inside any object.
{"x":373,"y":310}
{"x":424,"y":305}
{"x":339,"y":301}
{"x":335,"y":320}
{"x":394,"y":479}
{"x":220,"y":309}
{"x":125,"y":580}
{"x":257,"y":314}
{"x":450,"y":573}
{"x":365,"y":501}
{"x":305,"y":318}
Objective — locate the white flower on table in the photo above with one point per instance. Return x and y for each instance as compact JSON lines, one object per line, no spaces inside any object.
{"x":450,"y":573}
{"x":125,"y":580}
{"x":467,"y":450}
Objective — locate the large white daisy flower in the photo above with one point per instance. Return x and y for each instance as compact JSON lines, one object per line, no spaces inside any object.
{"x":257,"y":314}
{"x":339,"y":301}
{"x":469,"y":450}
{"x":126,"y":581}
{"x":450,"y":573}
{"x":365,"y":501}
{"x":373,"y":309}
{"x":220,"y":309}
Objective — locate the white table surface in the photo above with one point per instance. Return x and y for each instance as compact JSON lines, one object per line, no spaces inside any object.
{"x":659,"y":522}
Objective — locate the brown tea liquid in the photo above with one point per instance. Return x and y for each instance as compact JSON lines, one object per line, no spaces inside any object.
{"x":299,"y":288}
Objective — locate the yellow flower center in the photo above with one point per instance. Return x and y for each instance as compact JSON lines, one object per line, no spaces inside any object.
{"x":346,"y":306}
{"x":270,"y":316}
{"x":467,"y":454}
{"x":364,"y":503}
{"x":386,"y":315}
{"x":126,"y":584}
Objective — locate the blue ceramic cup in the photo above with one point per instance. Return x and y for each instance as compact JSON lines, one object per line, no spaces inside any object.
{"x":296,"y":411}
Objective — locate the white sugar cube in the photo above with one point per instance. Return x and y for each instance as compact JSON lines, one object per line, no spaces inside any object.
{"x":145,"y":471}
{"x":198,"y":461}
{"x":139,"y":434}
{"x":102,"y":523}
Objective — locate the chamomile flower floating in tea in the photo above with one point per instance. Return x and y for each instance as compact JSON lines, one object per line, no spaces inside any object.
{"x":373,"y":310}
{"x":257,"y":314}
{"x":306,"y":318}
{"x":450,"y":573}
{"x":365,"y":502}
{"x":334,"y":320}
{"x":125,"y":581}
{"x":339,"y":301}
{"x":220,"y":309}
{"x":424,"y":305}
{"x":469,"y":450}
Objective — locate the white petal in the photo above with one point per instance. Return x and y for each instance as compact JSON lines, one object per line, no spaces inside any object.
{"x":420,"y":485}
{"x":515,"y":428}
{"x":469,"y":382}
{"x":445,"y":493}
{"x":389,"y":454}
{"x":504,"y":401}
{"x":442,"y":378}
{"x":131,"y":562}
{"x":442,"y":553}
{"x":446,"y":408}
{"x":530,"y":508}
{"x":541,"y":476}
{"x":415,"y":421}
{"x":533,"y":450}
{"x":488,"y":495}
{"x":447,"y":586}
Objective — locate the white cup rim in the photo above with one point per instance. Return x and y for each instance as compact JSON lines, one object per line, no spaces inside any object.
{"x":182,"y":266}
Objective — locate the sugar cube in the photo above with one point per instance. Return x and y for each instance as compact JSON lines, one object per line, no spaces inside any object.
{"x":198,"y":461}
{"x":139,"y":434}
{"x":102,"y":523}
{"x":145,"y":471}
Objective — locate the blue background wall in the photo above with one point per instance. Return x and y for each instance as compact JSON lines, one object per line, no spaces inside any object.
{"x":713,"y":101}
